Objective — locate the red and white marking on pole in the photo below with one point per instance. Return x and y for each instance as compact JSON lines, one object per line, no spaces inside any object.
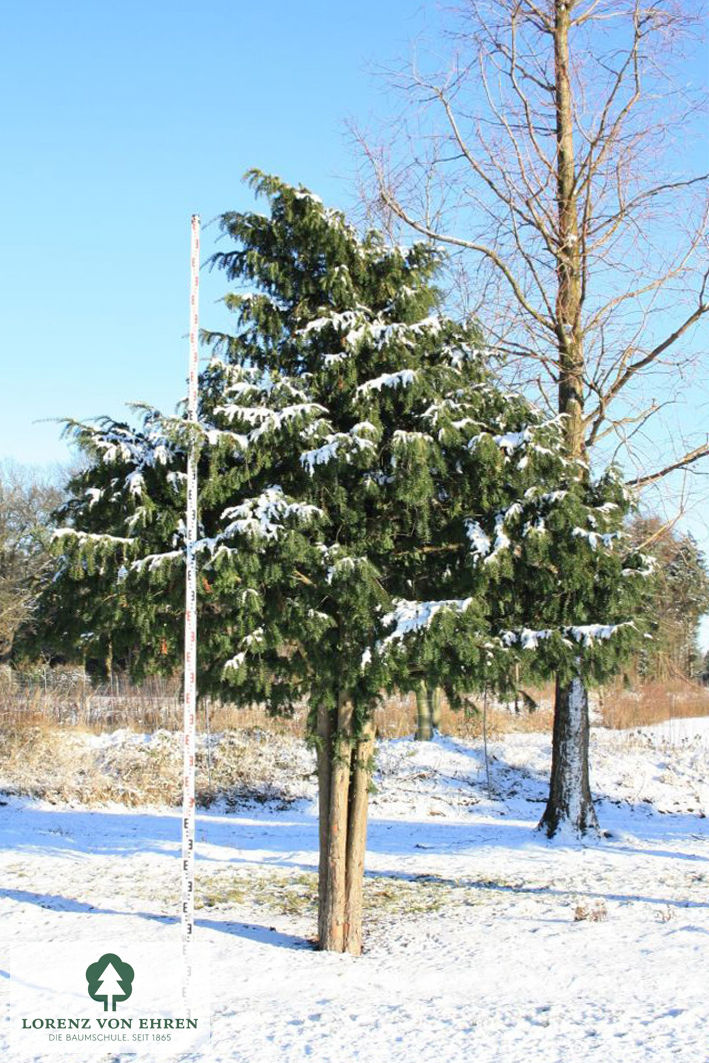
{"x":190,"y":682}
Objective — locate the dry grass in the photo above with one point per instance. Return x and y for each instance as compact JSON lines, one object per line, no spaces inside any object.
{"x":282,"y":892}
{"x":651,"y":703}
{"x":55,"y":729}
{"x":592,"y":913}
{"x":43,"y":761}
{"x":46,"y":752}
{"x":397,"y":717}
{"x":67,"y":697}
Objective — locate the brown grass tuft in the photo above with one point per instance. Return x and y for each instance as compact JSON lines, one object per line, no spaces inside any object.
{"x":651,"y":703}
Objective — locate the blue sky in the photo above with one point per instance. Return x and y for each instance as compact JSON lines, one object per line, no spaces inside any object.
{"x":119,"y":121}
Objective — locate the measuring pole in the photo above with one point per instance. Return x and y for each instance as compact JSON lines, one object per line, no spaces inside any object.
{"x":190,"y":681}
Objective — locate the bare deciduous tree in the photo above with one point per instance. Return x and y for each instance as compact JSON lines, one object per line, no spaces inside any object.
{"x":546,"y":160}
{"x":26,"y":501}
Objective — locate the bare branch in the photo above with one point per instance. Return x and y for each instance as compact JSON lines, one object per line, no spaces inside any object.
{"x":456,"y":241}
{"x":682,"y":463}
{"x":626,"y":374}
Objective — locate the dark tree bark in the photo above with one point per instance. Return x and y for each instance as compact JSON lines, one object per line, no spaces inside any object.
{"x":569,"y":803}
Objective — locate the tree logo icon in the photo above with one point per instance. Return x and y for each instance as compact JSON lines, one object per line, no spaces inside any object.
{"x":110,"y":980}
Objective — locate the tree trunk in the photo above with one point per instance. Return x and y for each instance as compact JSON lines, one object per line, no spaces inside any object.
{"x":357,"y":838}
{"x":569,"y":795}
{"x":108,"y":663}
{"x":569,"y":291}
{"x":424,"y":725}
{"x":344,"y":768}
{"x":336,"y":858}
{"x":434,"y":698}
{"x":324,"y":749}
{"x":570,"y":803}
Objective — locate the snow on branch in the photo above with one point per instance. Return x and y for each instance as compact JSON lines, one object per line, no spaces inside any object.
{"x":88,"y":537}
{"x":263,"y":517}
{"x":502,"y":539}
{"x":345,"y":567}
{"x":511,"y":441}
{"x":594,"y":538}
{"x":135,"y":483}
{"x":346,"y":319}
{"x":94,"y":495}
{"x":410,"y":617}
{"x":582,"y":634}
{"x":266,"y":420}
{"x":400,"y":379}
{"x":480,"y":543}
{"x":344,"y":444}
{"x":527,"y":639}
{"x":587,"y":634}
{"x":354,"y":326}
{"x":249,"y":643}
{"x":155,"y":561}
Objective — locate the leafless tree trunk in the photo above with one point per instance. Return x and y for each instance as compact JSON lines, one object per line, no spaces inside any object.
{"x":569,"y":790}
{"x":539,"y":159}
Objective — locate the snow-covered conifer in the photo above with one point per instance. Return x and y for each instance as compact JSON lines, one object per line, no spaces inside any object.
{"x":375,"y":511}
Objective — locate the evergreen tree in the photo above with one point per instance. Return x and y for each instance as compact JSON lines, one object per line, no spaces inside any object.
{"x":375,"y":513}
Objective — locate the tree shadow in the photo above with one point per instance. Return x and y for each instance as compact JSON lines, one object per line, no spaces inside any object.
{"x":290,"y":839}
{"x":267,"y":935}
{"x":490,"y":886}
{"x":126,"y":834}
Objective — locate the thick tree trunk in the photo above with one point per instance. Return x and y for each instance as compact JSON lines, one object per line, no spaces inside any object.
{"x":336,"y":871}
{"x":344,"y":768}
{"x":324,"y":748}
{"x":424,"y":724}
{"x":569,"y":795}
{"x":570,"y":804}
{"x":357,"y":838}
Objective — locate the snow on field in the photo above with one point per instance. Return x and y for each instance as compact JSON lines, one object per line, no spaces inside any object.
{"x":484,"y":940}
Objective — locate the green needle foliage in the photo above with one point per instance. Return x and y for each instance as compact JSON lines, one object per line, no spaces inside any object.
{"x":374,"y":508}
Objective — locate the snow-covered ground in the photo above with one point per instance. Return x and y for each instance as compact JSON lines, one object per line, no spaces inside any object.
{"x":484,"y":940}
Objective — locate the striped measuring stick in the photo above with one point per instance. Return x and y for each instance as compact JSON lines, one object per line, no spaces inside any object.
{"x":190,"y":680}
